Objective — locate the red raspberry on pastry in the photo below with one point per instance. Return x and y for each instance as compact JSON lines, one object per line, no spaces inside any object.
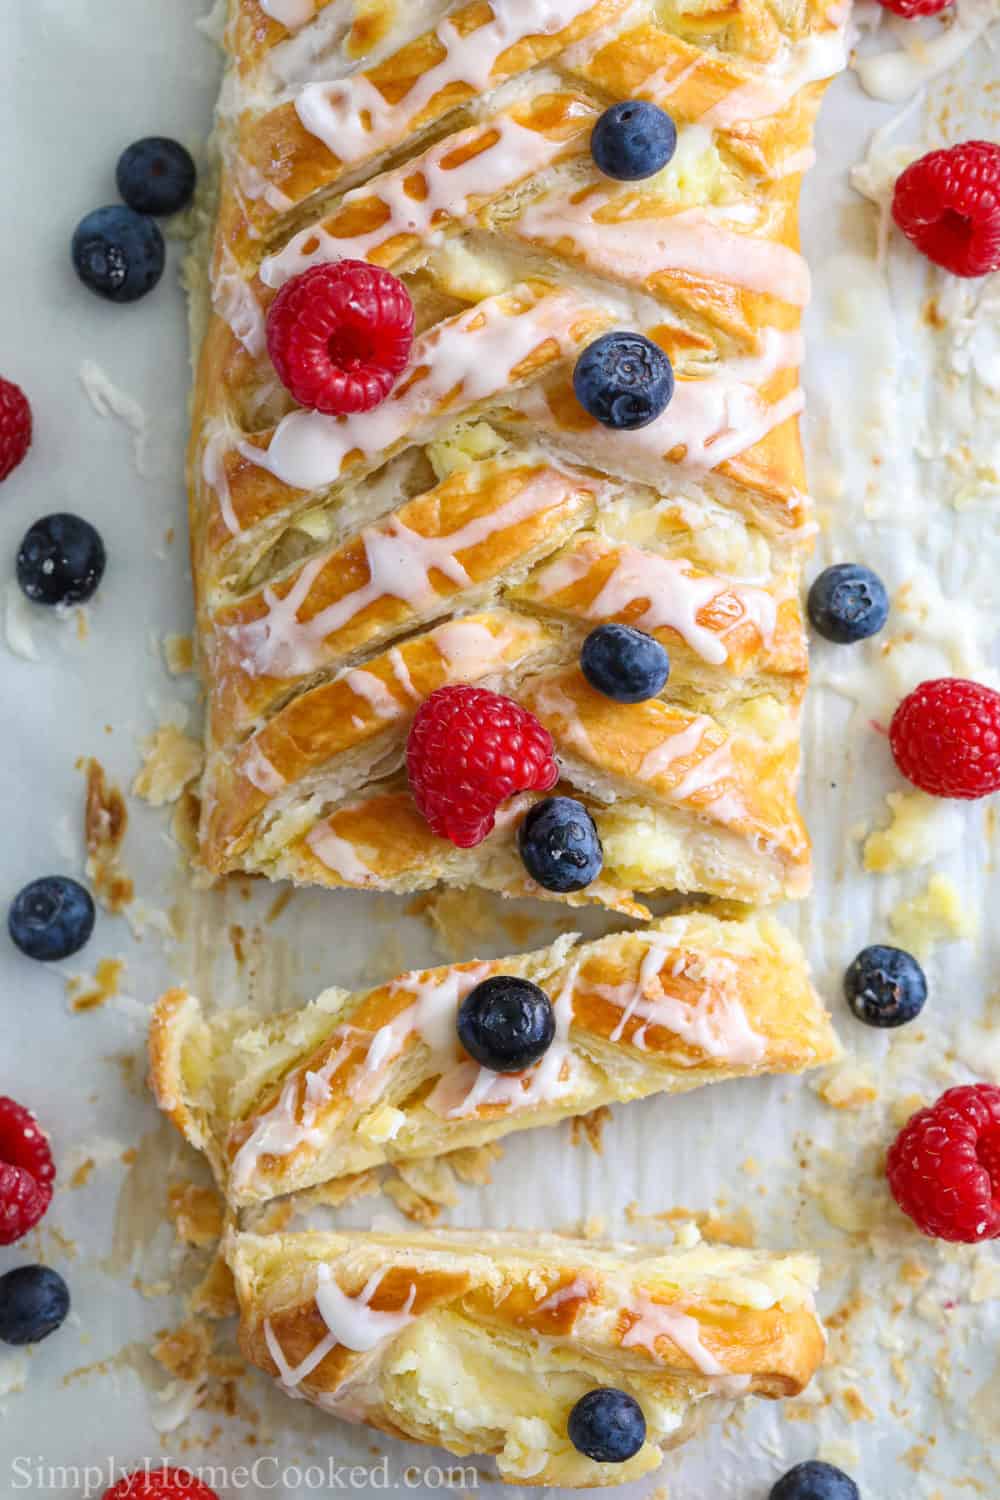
{"x":15,"y":427}
{"x":468,"y":751}
{"x":160,"y":1484}
{"x":339,"y":336}
{"x":944,"y":1166}
{"x":948,"y":205}
{"x":910,"y":9}
{"x":27,"y":1172}
{"x":945,"y":738}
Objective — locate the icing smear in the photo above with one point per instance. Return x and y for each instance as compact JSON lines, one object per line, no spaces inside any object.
{"x":351,"y":1324}
{"x":355,"y":121}
{"x":924,"y":54}
{"x":654,"y":1321}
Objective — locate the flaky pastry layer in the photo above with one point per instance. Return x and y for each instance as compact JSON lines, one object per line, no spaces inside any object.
{"x":481,"y":1343}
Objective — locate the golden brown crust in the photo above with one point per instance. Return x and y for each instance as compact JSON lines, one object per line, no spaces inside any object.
{"x":358,"y":1080}
{"x":482,"y":1343}
{"x":455,"y":151}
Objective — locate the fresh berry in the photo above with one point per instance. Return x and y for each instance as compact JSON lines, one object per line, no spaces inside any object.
{"x":34,"y":1302}
{"x":506,"y":1024}
{"x":623,"y":380}
{"x":848,"y":603}
{"x":15,"y":427}
{"x":559,"y":845}
{"x":815,"y":1481}
{"x":118,"y":253}
{"x":156,"y":176}
{"x":944,"y":1166}
{"x":27,"y":1172}
{"x":607,"y":1425}
{"x":339,"y":335}
{"x":468,"y":751}
{"x":61,"y":560}
{"x":633,"y":139}
{"x":948,"y":205}
{"x":160,"y":1484}
{"x":51,"y":918}
{"x":911,"y":9}
{"x":885,"y":986}
{"x":624,"y":664}
{"x":945,"y":738}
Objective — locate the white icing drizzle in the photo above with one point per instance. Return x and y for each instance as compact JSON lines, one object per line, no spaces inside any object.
{"x":450,"y":187}
{"x":213,"y":472}
{"x":716,"y":1024}
{"x":355,"y":121}
{"x":291,"y":13}
{"x":465,"y":360}
{"x":674,"y":747}
{"x":402,"y":675}
{"x":252,"y":184}
{"x":675,"y":596}
{"x":469,"y":649}
{"x":712,"y":419}
{"x":550,"y":701}
{"x":340,"y":856}
{"x":234,"y":301}
{"x":461,"y":1092}
{"x":259,"y":771}
{"x":819,"y":56}
{"x":655,"y":1321}
{"x":571,"y":1292}
{"x":351,"y":1324}
{"x":400,"y":562}
{"x":380,"y":699}
{"x":694,"y":240}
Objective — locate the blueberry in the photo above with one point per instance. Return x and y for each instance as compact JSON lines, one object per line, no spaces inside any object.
{"x":624,"y":380}
{"x":118,"y":253}
{"x":506,"y":1024}
{"x":624,"y":664}
{"x":633,"y":139}
{"x":61,"y":560}
{"x":607,"y":1425}
{"x":51,"y":918}
{"x":848,"y":603}
{"x":559,"y":845}
{"x":156,"y":176}
{"x":885,"y":986}
{"x":34,"y":1302}
{"x":815,"y":1481}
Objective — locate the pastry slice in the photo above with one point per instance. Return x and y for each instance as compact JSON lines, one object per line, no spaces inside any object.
{"x":356,"y":1080}
{"x":478,"y":522}
{"x":483,"y":1343}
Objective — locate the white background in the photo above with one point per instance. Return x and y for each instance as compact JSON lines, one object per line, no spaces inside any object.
{"x":78,"y":81}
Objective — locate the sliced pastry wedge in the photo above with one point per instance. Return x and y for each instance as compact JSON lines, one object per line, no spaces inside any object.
{"x":356,"y":1080}
{"x":485,"y":1343}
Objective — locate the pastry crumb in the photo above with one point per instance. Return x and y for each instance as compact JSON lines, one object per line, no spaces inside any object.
{"x":90,"y":991}
{"x":172,"y":759}
{"x":105,"y":823}
{"x":935,"y":916}
{"x":178,"y":653}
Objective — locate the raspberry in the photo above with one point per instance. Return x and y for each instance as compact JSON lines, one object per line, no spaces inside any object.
{"x":160,"y":1484}
{"x":468,"y":751}
{"x":910,"y":9}
{"x":944,"y":1166}
{"x":948,"y":204}
{"x":27,"y":1172}
{"x":15,"y":426}
{"x":340,"y":334}
{"x":945,"y":738}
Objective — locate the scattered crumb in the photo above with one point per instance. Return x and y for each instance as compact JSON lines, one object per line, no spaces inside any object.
{"x":197,"y":1214}
{"x":215,"y":1294}
{"x":854,"y":1406}
{"x":474,"y":1164}
{"x":108,"y":400}
{"x":171,"y":760}
{"x":920,"y":828}
{"x":410,"y":1203}
{"x":178,"y":653}
{"x":184,"y":823}
{"x":935,"y":916}
{"x":849,"y":1085}
{"x":590,"y":1128}
{"x":90,"y":991}
{"x":279,"y":904}
{"x":339,"y":1191}
{"x":432,"y":1179}
{"x":82,"y":1175}
{"x":105,"y":822}
{"x":183,"y":1352}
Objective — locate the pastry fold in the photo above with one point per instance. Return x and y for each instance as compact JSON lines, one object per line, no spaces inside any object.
{"x":356,"y":1080}
{"x":478,"y":523}
{"x":481,"y":1343}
